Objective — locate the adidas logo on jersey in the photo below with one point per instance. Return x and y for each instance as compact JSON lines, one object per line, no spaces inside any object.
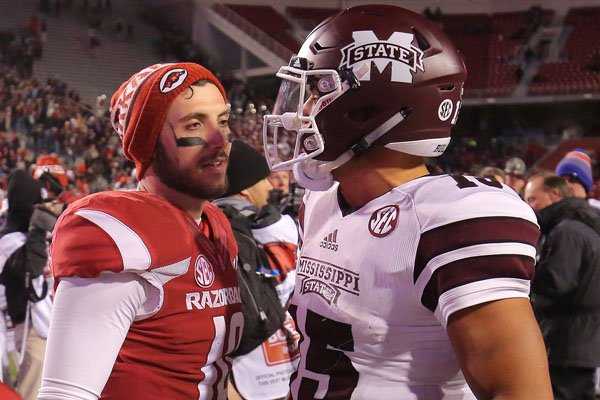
{"x":329,"y":242}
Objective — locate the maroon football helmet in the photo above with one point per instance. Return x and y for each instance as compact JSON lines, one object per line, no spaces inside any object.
{"x":371,"y":75}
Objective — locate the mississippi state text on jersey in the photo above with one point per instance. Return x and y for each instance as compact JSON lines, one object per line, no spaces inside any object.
{"x":375,"y":288}
{"x":177,"y":349}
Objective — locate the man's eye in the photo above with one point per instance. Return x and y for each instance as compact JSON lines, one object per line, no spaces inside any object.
{"x":224,"y":123}
{"x":194,"y":126}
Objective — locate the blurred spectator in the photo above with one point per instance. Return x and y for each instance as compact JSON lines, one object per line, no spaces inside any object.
{"x":93,"y":40}
{"x":34,"y":25}
{"x":23,"y":247}
{"x":43,"y":32}
{"x":283,"y":195}
{"x":576,"y":168}
{"x":119,"y":28}
{"x":493,"y":173}
{"x":129,"y":33}
{"x":565,"y":288}
{"x":515,"y":170}
{"x":268,"y":352}
{"x":280,"y":180}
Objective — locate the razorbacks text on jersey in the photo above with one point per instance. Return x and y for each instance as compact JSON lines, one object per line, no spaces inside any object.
{"x":375,"y":288}
{"x":177,"y":349}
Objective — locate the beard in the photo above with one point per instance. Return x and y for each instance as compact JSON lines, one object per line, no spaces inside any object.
{"x":186,"y":180}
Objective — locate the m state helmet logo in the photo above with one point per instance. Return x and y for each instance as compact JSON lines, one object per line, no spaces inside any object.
{"x":384,"y":220}
{"x":405,"y":58}
{"x":203,"y":272}
{"x":172,"y":80}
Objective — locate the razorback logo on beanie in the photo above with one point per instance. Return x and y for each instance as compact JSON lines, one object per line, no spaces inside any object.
{"x":139,"y":107}
{"x":172,"y":80}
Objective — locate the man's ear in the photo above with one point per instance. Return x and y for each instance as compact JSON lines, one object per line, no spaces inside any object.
{"x":555,"y":195}
{"x":245,"y":193}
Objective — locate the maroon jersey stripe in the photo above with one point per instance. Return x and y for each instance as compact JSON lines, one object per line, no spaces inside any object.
{"x":471,"y":232}
{"x":475,"y":269}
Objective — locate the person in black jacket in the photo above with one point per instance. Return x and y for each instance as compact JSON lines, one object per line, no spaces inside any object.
{"x":23,"y":256}
{"x":268,"y":352}
{"x":565,"y":288}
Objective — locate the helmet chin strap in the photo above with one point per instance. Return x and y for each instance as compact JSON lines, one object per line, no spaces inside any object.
{"x":308,"y":175}
{"x":316,"y":175}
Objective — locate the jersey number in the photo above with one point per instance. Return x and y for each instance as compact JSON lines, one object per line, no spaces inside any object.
{"x":216,"y":368}
{"x":463,"y":182}
{"x":329,"y":372}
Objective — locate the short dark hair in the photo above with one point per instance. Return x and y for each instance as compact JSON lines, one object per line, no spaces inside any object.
{"x":201,"y":82}
{"x":552,"y":181}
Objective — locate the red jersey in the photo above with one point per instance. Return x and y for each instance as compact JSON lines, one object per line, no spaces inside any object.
{"x":176,"y":350}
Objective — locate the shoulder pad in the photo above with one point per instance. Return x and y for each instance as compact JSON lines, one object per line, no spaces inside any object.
{"x":119,"y":231}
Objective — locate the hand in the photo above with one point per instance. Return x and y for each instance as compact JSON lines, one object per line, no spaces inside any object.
{"x":51,"y":183}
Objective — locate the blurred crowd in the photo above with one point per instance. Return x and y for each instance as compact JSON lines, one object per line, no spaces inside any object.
{"x":40,"y":117}
{"x":47,"y":117}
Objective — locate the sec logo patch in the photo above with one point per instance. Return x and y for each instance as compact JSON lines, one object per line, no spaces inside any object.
{"x":203,"y":272}
{"x":384,"y":220}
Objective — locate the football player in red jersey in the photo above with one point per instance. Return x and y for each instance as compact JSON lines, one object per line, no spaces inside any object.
{"x":147,"y":302}
{"x":410,"y":285}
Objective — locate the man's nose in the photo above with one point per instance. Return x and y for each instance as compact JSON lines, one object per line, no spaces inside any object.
{"x":308,"y":105}
{"x":218,"y":136}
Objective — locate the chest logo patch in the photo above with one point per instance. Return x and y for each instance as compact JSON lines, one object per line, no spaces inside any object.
{"x":326,"y":280}
{"x":203,"y":272}
{"x":384,"y":220}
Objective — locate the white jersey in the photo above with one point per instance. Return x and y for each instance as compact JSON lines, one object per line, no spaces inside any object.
{"x":375,"y":288}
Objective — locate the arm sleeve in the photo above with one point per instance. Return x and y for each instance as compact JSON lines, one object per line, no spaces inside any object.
{"x":477,"y":249}
{"x":90,"y":319}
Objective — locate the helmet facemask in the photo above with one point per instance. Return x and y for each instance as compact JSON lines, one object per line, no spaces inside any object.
{"x":302,"y":95}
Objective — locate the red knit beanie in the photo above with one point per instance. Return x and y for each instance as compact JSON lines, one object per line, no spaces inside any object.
{"x":139,"y":107}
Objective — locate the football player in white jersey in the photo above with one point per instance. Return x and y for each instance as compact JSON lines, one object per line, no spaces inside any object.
{"x":409,"y":285}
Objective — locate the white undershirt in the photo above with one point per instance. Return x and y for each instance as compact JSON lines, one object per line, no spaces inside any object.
{"x":90,"y":319}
